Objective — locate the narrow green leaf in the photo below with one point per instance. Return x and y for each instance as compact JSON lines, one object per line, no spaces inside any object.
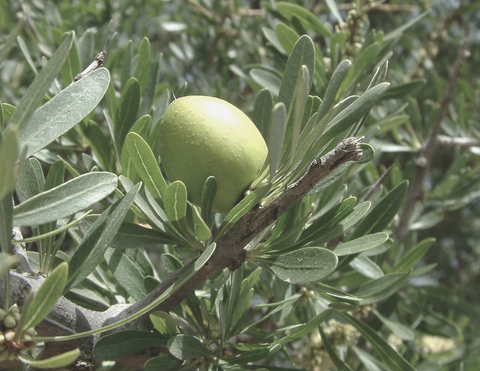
{"x":165,"y":324}
{"x":66,"y":199}
{"x":339,"y":364}
{"x":9,"y":155}
{"x":71,"y":67}
{"x":383,"y":213}
{"x":413,"y":256}
{"x":149,"y":92}
{"x":333,"y":8}
{"x":395,"y":33}
{"x":208,"y":195}
{"x":123,"y":343}
{"x":135,"y":236}
{"x":287,"y":36}
{"x":304,"y":329}
{"x":307,"y":19}
{"x":35,"y":92}
{"x":128,"y":108}
{"x":61,"y":360}
{"x":366,"y":267}
{"x":126,"y":273}
{"x":201,"y":229}
{"x":305,"y":265}
{"x":175,"y":201}
{"x":361,"y":244}
{"x":127,"y":64}
{"x":165,"y":362}
{"x":352,"y":113}
{"x":276,"y":135}
{"x":101,"y":233}
{"x":64,"y":111}
{"x":272,"y":37}
{"x":47,"y":295}
{"x":381,"y":288}
{"x":262,"y":111}
{"x":389,"y":355}
{"x":170,"y":263}
{"x":141,"y":69}
{"x":266,"y":79}
{"x":100,"y":145}
{"x":187,"y":347}
{"x":146,"y":165}
{"x":241,"y":209}
{"x":142,"y":127}
{"x":6,"y":224}
{"x":402,"y":331}
{"x":26,"y":54}
{"x":404,"y":90}
{"x":303,"y":53}
{"x":31,"y":180}
{"x":299,"y":104}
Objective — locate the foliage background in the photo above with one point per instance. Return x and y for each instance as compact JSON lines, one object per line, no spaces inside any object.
{"x":218,"y":47}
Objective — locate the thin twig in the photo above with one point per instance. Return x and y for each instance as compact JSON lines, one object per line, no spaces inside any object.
{"x":97,"y":62}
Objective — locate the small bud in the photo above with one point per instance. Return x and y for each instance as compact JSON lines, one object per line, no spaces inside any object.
{"x":2,"y":338}
{"x":3,"y":355}
{"x":9,"y":322}
{"x":11,"y":356}
{"x":3,"y":314}
{"x":9,"y":335}
{"x":14,"y":309}
{"x":16,"y":316}
{"x":27,"y":338}
{"x":31,"y":331}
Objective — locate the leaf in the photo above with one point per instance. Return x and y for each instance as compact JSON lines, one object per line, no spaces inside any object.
{"x":64,"y":111}
{"x":126,"y":273}
{"x":133,"y":235}
{"x":305,"y":265}
{"x":303,"y":53}
{"x":61,"y":360}
{"x":360,"y":244}
{"x":287,"y":36}
{"x":165,"y":362}
{"x":141,"y":69}
{"x":66,"y":199}
{"x":383,"y":213}
{"x":266,"y":79}
{"x":35,"y":92}
{"x":170,"y":263}
{"x":366,"y":267}
{"x":402,"y":331}
{"x":404,"y":90}
{"x":305,"y":328}
{"x":307,"y":19}
{"x":262,"y":111}
{"x":71,"y":67}
{"x":146,"y":165}
{"x":339,"y":364}
{"x":276,"y":135}
{"x":149,"y":92}
{"x":100,"y":145}
{"x":123,"y":343}
{"x":31,"y":180}
{"x":208,"y":195}
{"x":164,"y":324}
{"x":128,"y":108}
{"x":176,"y":201}
{"x":393,"y":34}
{"x":381,"y":288}
{"x":96,"y":241}
{"x":352,"y":113}
{"x":142,"y":127}
{"x":9,"y":155}
{"x":47,"y":295}
{"x":413,"y":256}
{"x":389,"y":355}
{"x":187,"y":347}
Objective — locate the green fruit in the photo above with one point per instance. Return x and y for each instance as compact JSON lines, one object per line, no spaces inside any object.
{"x":204,"y":136}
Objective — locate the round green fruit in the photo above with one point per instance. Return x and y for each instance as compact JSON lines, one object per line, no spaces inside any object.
{"x":203,"y":136}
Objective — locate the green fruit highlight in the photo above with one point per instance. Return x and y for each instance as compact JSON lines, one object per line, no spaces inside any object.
{"x":203,"y":136}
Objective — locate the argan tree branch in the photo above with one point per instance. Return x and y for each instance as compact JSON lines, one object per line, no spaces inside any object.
{"x":67,"y":317}
{"x":430,"y":148}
